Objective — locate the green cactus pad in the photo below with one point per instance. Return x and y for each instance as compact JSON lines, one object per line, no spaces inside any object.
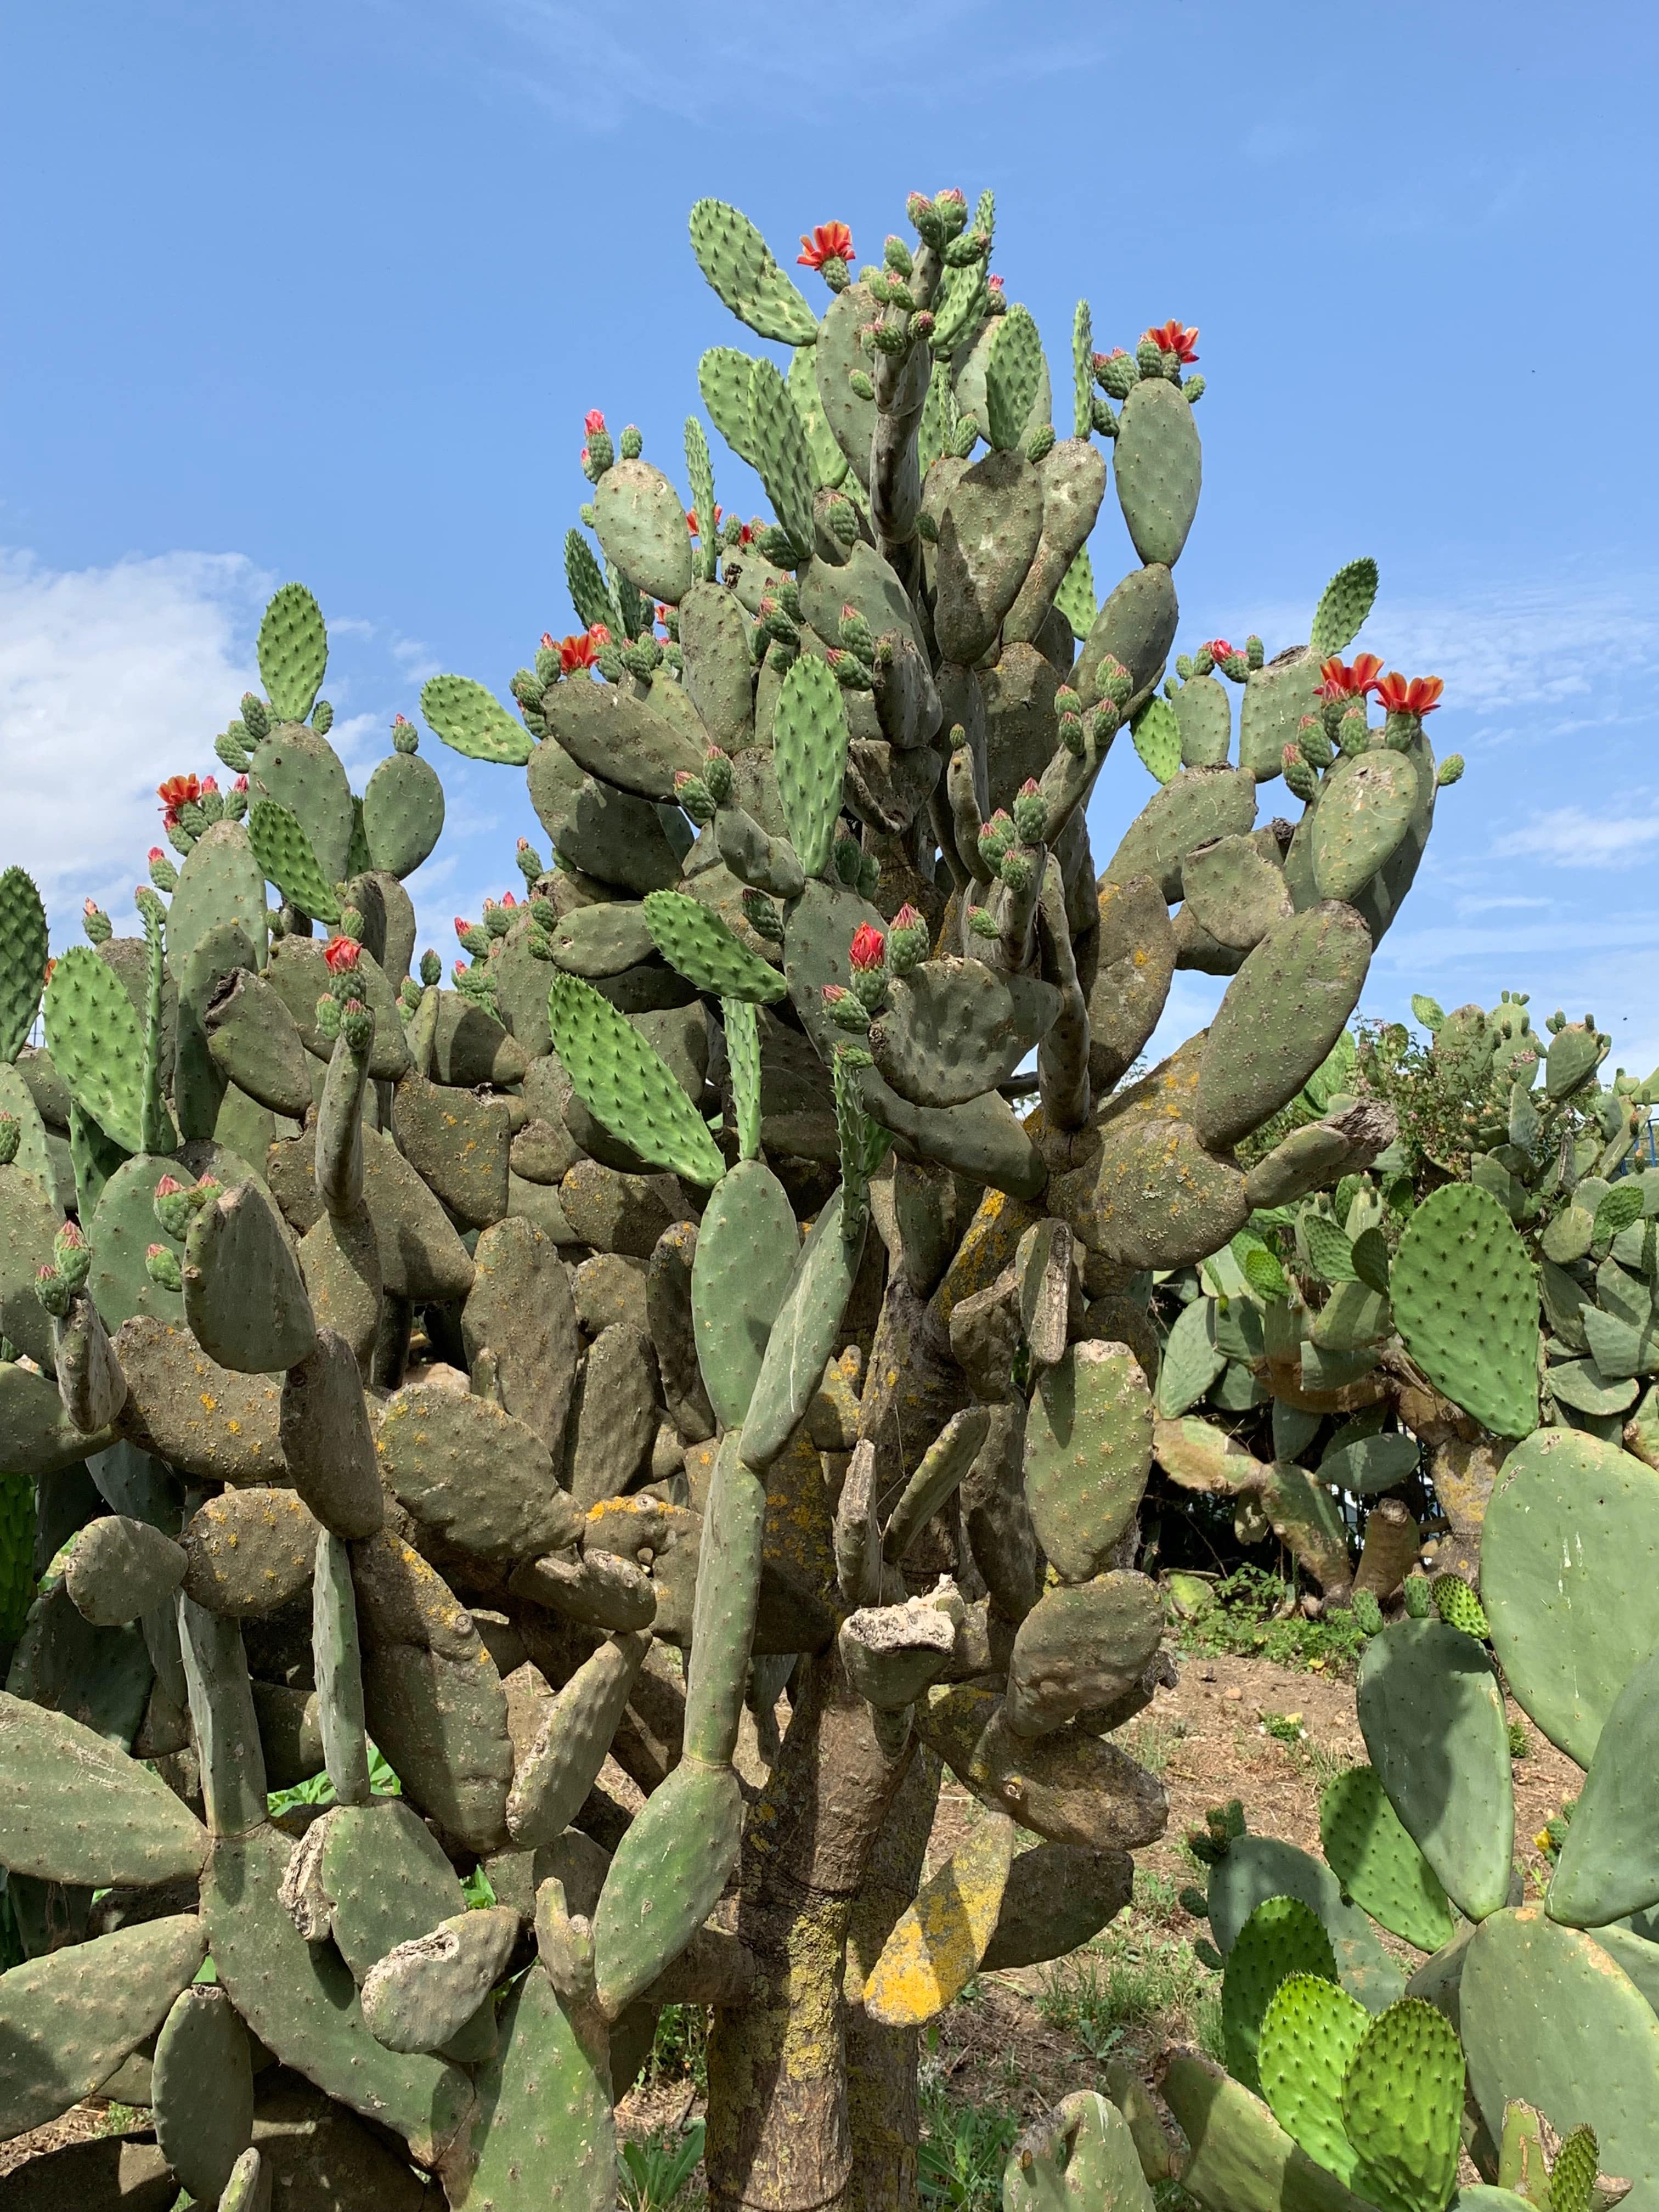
{"x":1310,"y":2032}
{"x":782,"y":456}
{"x":202,"y":2085}
{"x":707,"y":953}
{"x":473,"y":721}
{"x":1193,"y":809}
{"x":97,"y":1044}
{"x":68,"y":2020}
{"x":1402,"y":2101}
{"x":1282,"y":1013}
{"x":1343,"y":606}
{"x":386,"y":1878}
{"x":543,"y":2109}
{"x":1609,"y":1864}
{"x":23,"y":952}
{"x":300,"y":1999}
{"x":1241,"y":2159}
{"x":1081,"y":1648}
{"x":245,"y":1299}
{"x":1432,"y":1717}
{"x":805,"y":1332}
{"x":1547,"y":2017}
{"x":1014,"y":371}
{"x":954,"y":1028}
{"x":467,"y":1467}
{"x":1258,"y":1867}
{"x":74,"y":1809}
{"x":626,"y":1084}
{"x":1570,"y":1578}
{"x":1378,"y":1865}
{"x":641,"y":522}
{"x":283,"y":852}
{"x":403,"y":814}
{"x":829,"y":462}
{"x":677,"y":1852}
{"x":723,"y":378}
{"x":738,"y":262}
{"x":1081,"y":2157}
{"x":296,"y":768}
{"x":220,"y":883}
{"x":1365,"y":808}
{"x":1136,"y":625}
{"x":1088,"y":1453}
{"x":611,"y":733}
{"x":1281,"y":1937}
{"x":1205,"y":714}
{"x":1276,"y":698}
{"x":433,"y":1990}
{"x":987,"y":540}
{"x":809,"y":742}
{"x":558,"y":1770}
{"x":293,"y":653}
{"x":120,"y":1568}
{"x":1159,"y":466}
{"x":1465,"y":1302}
{"x":747,"y":1245}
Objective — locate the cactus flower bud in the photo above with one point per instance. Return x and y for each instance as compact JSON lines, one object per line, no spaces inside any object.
{"x":96,"y":923}
{"x":1298,"y":774}
{"x":432,"y":968}
{"x":761,"y":915}
{"x":694,"y":796}
{"x":529,"y":861}
{"x":868,"y":949}
{"x":357,"y":1025}
{"x":328,"y":1016}
{"x":1254,"y":651}
{"x":162,"y":1265}
{"x":983,"y":923}
{"x":52,"y":1292}
{"x":1030,"y":812}
{"x":633,"y":442}
{"x":1115,"y":681}
{"x":256,"y":716}
{"x":843,"y":1009}
{"x":1353,"y":731}
{"x":717,"y":775}
{"x":848,"y":670}
{"x":841,"y":519}
{"x":907,"y":939}
{"x":11,"y":1136}
{"x":73,"y":1254}
{"x":856,"y":634}
{"x":896,"y":254}
{"x":162,"y":874}
{"x":1449,"y":770}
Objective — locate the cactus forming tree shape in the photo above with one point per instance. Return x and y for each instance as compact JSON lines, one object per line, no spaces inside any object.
{"x":660,"y":1393}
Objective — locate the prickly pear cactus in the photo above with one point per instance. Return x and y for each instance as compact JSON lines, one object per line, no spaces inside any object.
{"x":667,"y":1394}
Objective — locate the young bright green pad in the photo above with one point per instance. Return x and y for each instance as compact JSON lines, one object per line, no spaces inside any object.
{"x":203,"y":2090}
{"x":677,"y":1853}
{"x":1378,"y":1865}
{"x":1609,"y":1864}
{"x":544,"y":2119}
{"x":1159,"y":468}
{"x":1081,"y":2156}
{"x":1343,"y":606}
{"x":1088,"y":1454}
{"x":97,"y":1044}
{"x":1281,"y":1937}
{"x":738,"y":262}
{"x":75,"y":1808}
{"x":472,"y":721}
{"x":283,"y":851}
{"x":67,"y":2020}
{"x":1570,"y":1579}
{"x":23,"y":952}
{"x":1432,"y":1717}
{"x":694,"y":939}
{"x":808,"y":754}
{"x":747,"y":1245}
{"x":1466,"y":1302}
{"x":300,"y":1999}
{"x":293,"y":653}
{"x":1547,"y":2016}
{"x":1310,"y":2032}
{"x":1402,"y":2101}
{"x":620,"y":1079}
{"x":1014,"y":371}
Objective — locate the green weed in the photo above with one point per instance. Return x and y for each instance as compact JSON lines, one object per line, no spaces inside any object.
{"x":1127,"y":1978}
{"x":656,"y":2172}
{"x":963,"y":2152}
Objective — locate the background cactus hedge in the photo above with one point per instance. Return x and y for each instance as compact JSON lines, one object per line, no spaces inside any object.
{"x":616,"y":1429}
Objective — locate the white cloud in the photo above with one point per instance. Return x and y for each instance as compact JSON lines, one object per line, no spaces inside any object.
{"x":1570,"y":838}
{"x":111,"y":679}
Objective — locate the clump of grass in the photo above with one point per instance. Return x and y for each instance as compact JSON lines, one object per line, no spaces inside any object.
{"x":1244,"y":1623}
{"x":1152,"y":1742}
{"x":1129,"y":1979}
{"x":964,"y":2149}
{"x":657,"y":2172}
{"x":679,"y":2049}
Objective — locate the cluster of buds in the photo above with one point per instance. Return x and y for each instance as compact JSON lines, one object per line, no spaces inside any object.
{"x":1086,"y":735}
{"x":531,"y":865}
{"x":64,"y":1277}
{"x":1235,"y":662}
{"x":859,"y":870}
{"x":1006,"y":853}
{"x":11,"y":1136}
{"x":851,"y":1007}
{"x":703,"y":794}
{"x":939,"y":221}
{"x":597,"y":452}
{"x":176,"y":1204}
{"x":761,"y":915}
{"x":544,"y":921}
{"x":340,"y":1011}
{"x":96,"y":923}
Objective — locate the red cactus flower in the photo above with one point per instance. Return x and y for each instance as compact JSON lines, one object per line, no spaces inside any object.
{"x":830,"y":242}
{"x":241,"y":784}
{"x":549,"y":642}
{"x":869,"y":948}
{"x":154,"y":854}
{"x":909,"y":917}
{"x":167,"y":1185}
{"x":833,"y":994}
{"x":1421,"y":695}
{"x":462,"y":925}
{"x":341,"y":954}
{"x":461,"y":969}
{"x":1218,"y":649}
{"x":1171,"y":338}
{"x":50,"y":966}
{"x":211,"y":783}
{"x":599,"y":635}
{"x":576,"y":652}
{"x":507,"y":899}
{"x":592,"y":421}
{"x":693,"y":525}
{"x":178,"y":791}
{"x":91,"y":907}
{"x":993,"y":283}
{"x":1342,"y":681}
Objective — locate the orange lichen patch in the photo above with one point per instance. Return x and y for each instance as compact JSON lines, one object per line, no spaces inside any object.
{"x":935,"y":1948}
{"x":988,"y":1244}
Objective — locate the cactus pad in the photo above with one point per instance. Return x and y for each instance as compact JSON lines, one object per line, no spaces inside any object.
{"x":1466,"y":1302}
{"x":809,"y":743}
{"x":283,"y":852}
{"x":473,"y":721}
{"x":738,"y":262}
{"x":1088,"y":1453}
{"x":937,"y":1943}
{"x":626,"y":1086}
{"x":1609,"y":1864}
{"x":97,"y":1044}
{"x":707,"y":953}
{"x":1159,"y":467}
{"x":1402,"y":2101}
{"x":1310,"y":2032}
{"x":1378,"y":1865}
{"x":954,"y":1028}
{"x":1280,"y":1938}
{"x":23,"y":950}
{"x":293,"y":653}
{"x":1081,"y":2157}
{"x":747,"y":1245}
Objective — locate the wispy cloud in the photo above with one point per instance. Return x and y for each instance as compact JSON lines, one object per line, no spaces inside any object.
{"x":1572,"y":837}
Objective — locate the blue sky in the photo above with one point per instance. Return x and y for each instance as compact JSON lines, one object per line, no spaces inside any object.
{"x":324,"y":291}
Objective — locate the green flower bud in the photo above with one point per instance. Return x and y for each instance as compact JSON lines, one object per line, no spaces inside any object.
{"x":1419,"y":1603}
{"x":1031,"y":811}
{"x":633,"y":444}
{"x":1450,"y":769}
{"x":1353,"y":731}
{"x":1100,"y":416}
{"x":256,"y":716}
{"x":1115,"y":681}
{"x":1253,"y":650}
{"x":848,"y":670}
{"x":328,"y":1018}
{"x":357,"y":1025}
{"x":1040,"y":444}
{"x":432,"y":968}
{"x":847,"y":855}
{"x":1298,"y":774}
{"x":1194,"y":388}
{"x":1149,"y":358}
{"x":162,"y":1265}
{"x":761,"y":915}
{"x":235,"y":756}
{"x":981,"y":923}
{"x":856,"y":634}
{"x":96,"y":923}
{"x":322,"y":718}
{"x":717,"y":775}
{"x":694,"y":796}
{"x":862,"y":387}
{"x":11,"y":1136}
{"x":965,"y":438}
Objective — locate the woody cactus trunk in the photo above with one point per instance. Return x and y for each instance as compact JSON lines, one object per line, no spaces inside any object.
{"x":663,"y":1395}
